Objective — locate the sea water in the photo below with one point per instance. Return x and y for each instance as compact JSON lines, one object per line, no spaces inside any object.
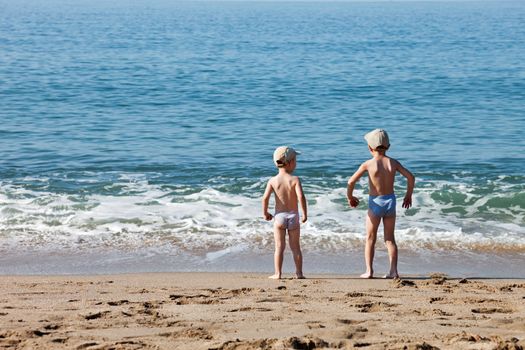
{"x":138,"y":135}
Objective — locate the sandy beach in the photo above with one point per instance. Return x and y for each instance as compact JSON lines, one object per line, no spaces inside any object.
{"x":248,"y":311}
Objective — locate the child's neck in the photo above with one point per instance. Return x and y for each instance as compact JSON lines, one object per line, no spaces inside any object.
{"x":377,"y":154}
{"x":285,"y":170}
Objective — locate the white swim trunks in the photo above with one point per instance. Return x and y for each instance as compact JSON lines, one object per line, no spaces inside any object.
{"x":287,"y":219}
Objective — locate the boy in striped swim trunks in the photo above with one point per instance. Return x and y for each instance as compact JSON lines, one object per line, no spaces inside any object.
{"x":288,"y":195}
{"x":381,"y":171}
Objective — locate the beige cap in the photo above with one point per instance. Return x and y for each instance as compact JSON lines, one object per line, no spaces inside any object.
{"x":283,"y":155}
{"x":376,"y":138}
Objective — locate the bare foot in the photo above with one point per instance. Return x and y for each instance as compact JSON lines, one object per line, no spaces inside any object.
{"x":301,"y":277}
{"x":392,"y":276}
{"x":275,"y":277}
{"x":367,"y":275}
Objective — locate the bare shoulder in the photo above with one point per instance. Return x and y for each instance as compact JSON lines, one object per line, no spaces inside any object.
{"x":367,"y":163}
{"x":394,"y":162}
{"x":397,"y":165}
{"x":273,"y":180}
{"x":296,"y":180}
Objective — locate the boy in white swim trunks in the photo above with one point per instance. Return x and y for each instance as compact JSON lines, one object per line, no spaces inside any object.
{"x":288,"y":195}
{"x":382,"y":200}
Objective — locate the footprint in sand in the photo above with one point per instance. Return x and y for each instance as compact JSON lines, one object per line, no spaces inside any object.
{"x":374,"y":307}
{"x":248,"y":344}
{"x":51,"y":327}
{"x":435,"y":299}
{"x":514,"y":323}
{"x":297,"y":343}
{"x":355,"y":332}
{"x":314,"y":325}
{"x":86,"y":345}
{"x":399,"y":283}
{"x":433,"y":312}
{"x":346,"y":321}
{"x":361,"y":345}
{"x":494,"y":310}
{"x":199,"y":333}
{"x":39,"y":333}
{"x":95,"y":315}
{"x":243,"y":309}
{"x":270,"y":300}
{"x":194,"y":299}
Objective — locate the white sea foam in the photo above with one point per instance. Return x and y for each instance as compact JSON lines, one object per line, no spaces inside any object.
{"x":215,"y":223}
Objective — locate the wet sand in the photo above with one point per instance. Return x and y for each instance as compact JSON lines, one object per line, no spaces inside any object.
{"x":248,"y":311}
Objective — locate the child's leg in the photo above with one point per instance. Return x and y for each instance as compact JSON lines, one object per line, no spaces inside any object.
{"x":372,"y":224}
{"x":293,"y":237}
{"x":279,"y":235}
{"x":389,"y":224}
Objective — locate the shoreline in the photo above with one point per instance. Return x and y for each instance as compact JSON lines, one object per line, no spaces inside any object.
{"x":113,"y":261}
{"x":202,"y":310}
{"x":288,"y":276}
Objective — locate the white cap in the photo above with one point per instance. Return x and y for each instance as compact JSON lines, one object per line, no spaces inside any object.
{"x":283,"y":155}
{"x":376,"y":138}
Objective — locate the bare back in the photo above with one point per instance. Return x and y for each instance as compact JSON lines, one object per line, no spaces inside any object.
{"x":381,"y":174}
{"x":284,"y":187}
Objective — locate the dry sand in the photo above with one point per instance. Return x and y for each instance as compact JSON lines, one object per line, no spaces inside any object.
{"x":248,"y":311}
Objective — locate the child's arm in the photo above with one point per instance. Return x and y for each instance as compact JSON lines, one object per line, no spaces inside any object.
{"x":411,"y":180}
{"x":302,"y":200}
{"x":353,"y":201}
{"x":266,"y":201}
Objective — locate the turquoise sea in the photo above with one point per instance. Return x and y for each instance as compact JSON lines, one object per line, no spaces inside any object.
{"x":138,"y":135}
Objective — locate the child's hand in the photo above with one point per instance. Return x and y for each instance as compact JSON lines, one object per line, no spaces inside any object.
{"x":304,"y":218}
{"x":353,"y":202}
{"x":268,"y":216}
{"x":407,"y":202}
